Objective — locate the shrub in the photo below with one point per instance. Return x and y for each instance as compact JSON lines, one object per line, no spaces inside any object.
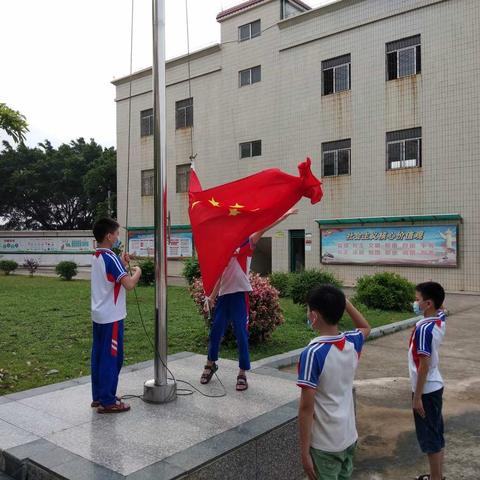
{"x":191,"y":269}
{"x":303,"y":282}
{"x":31,"y":265}
{"x":66,"y":270}
{"x":148,"y":272}
{"x":8,"y":266}
{"x":118,"y":249}
{"x":265,"y":313}
{"x":385,"y":291}
{"x":282,"y":282}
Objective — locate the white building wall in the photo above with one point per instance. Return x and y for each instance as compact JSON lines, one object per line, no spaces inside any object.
{"x":288,"y":113}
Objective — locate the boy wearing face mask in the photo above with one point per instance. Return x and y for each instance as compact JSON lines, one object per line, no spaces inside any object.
{"x":326,"y":370}
{"x":427,"y":382}
{"x":110,"y":280}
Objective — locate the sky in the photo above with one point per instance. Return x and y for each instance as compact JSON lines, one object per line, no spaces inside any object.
{"x":59,"y":57}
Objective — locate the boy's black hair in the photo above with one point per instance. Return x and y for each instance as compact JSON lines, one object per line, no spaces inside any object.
{"x":432,"y":291}
{"x":103,"y":227}
{"x":327,"y":300}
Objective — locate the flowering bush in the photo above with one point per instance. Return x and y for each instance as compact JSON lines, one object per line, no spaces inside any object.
{"x":31,"y":265}
{"x":265,"y":313}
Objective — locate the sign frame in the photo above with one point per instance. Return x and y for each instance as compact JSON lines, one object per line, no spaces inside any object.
{"x":391,"y":228}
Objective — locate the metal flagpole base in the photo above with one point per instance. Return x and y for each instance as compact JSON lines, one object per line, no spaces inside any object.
{"x":159,"y":393}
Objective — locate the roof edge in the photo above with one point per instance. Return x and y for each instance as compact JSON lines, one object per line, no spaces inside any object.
{"x":318,"y":11}
{"x":254,"y":3}
{"x":169,"y":63}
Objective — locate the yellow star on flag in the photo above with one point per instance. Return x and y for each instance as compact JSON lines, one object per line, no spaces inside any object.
{"x":214,"y":202}
{"x":237,"y":205}
{"x":234,"y":212}
{"x":195,"y":203}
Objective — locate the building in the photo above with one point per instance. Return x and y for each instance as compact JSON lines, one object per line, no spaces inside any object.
{"x":383,"y":96}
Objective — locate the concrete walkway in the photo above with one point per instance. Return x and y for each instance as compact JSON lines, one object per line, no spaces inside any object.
{"x":388,"y":448}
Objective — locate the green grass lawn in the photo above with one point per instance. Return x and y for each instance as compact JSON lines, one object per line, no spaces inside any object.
{"x":45,"y":325}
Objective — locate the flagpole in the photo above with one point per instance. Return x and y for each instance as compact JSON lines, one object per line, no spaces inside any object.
{"x":159,"y":389}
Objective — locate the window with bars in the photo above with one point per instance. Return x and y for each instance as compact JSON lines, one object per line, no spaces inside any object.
{"x":251,"y":149}
{"x":336,"y":74}
{"x":404,"y":57}
{"x":147,"y":183}
{"x":250,"y":75}
{"x":146,"y":122}
{"x":336,"y":158}
{"x":184,"y":113}
{"x":404,"y":149}
{"x":249,"y":31}
{"x":183,"y":177}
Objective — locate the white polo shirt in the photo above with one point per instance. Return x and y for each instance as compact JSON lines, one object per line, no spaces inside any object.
{"x":425,"y":340}
{"x":108,"y":295}
{"x":235,"y":276}
{"x":328,"y":365}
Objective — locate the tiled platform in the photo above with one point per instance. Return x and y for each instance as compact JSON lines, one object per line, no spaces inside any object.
{"x":54,"y":430}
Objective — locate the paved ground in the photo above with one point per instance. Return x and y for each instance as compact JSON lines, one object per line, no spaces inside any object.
{"x":387,"y":446}
{"x":130,"y":442}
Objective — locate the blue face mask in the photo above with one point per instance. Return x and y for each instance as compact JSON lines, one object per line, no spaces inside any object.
{"x":416,"y":308}
{"x":117,"y":244}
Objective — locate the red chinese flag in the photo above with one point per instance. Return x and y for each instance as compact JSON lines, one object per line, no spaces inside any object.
{"x":223,"y":217}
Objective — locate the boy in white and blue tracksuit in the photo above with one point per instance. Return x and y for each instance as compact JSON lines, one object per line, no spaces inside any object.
{"x":109,"y":280}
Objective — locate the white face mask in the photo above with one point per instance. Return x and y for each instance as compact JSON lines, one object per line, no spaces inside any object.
{"x":416,"y":308}
{"x":309,"y":321}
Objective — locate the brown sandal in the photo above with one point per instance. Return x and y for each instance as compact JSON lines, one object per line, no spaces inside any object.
{"x":115,"y":408}
{"x":96,"y":403}
{"x":206,"y":377}
{"x":242,"y":384}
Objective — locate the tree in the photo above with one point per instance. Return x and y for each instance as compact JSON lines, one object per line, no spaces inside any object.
{"x":50,"y":189}
{"x":13,"y":123}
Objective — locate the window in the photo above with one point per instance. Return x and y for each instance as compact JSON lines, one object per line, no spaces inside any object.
{"x":404,"y":58}
{"x":147,"y":183}
{"x":288,"y":9}
{"x":404,"y":149}
{"x":250,"y":75}
{"x":336,"y":74}
{"x":183,"y":177}
{"x":146,"y":122}
{"x":184,"y":113}
{"x":336,"y":158}
{"x":251,"y":149}
{"x":248,"y":31}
